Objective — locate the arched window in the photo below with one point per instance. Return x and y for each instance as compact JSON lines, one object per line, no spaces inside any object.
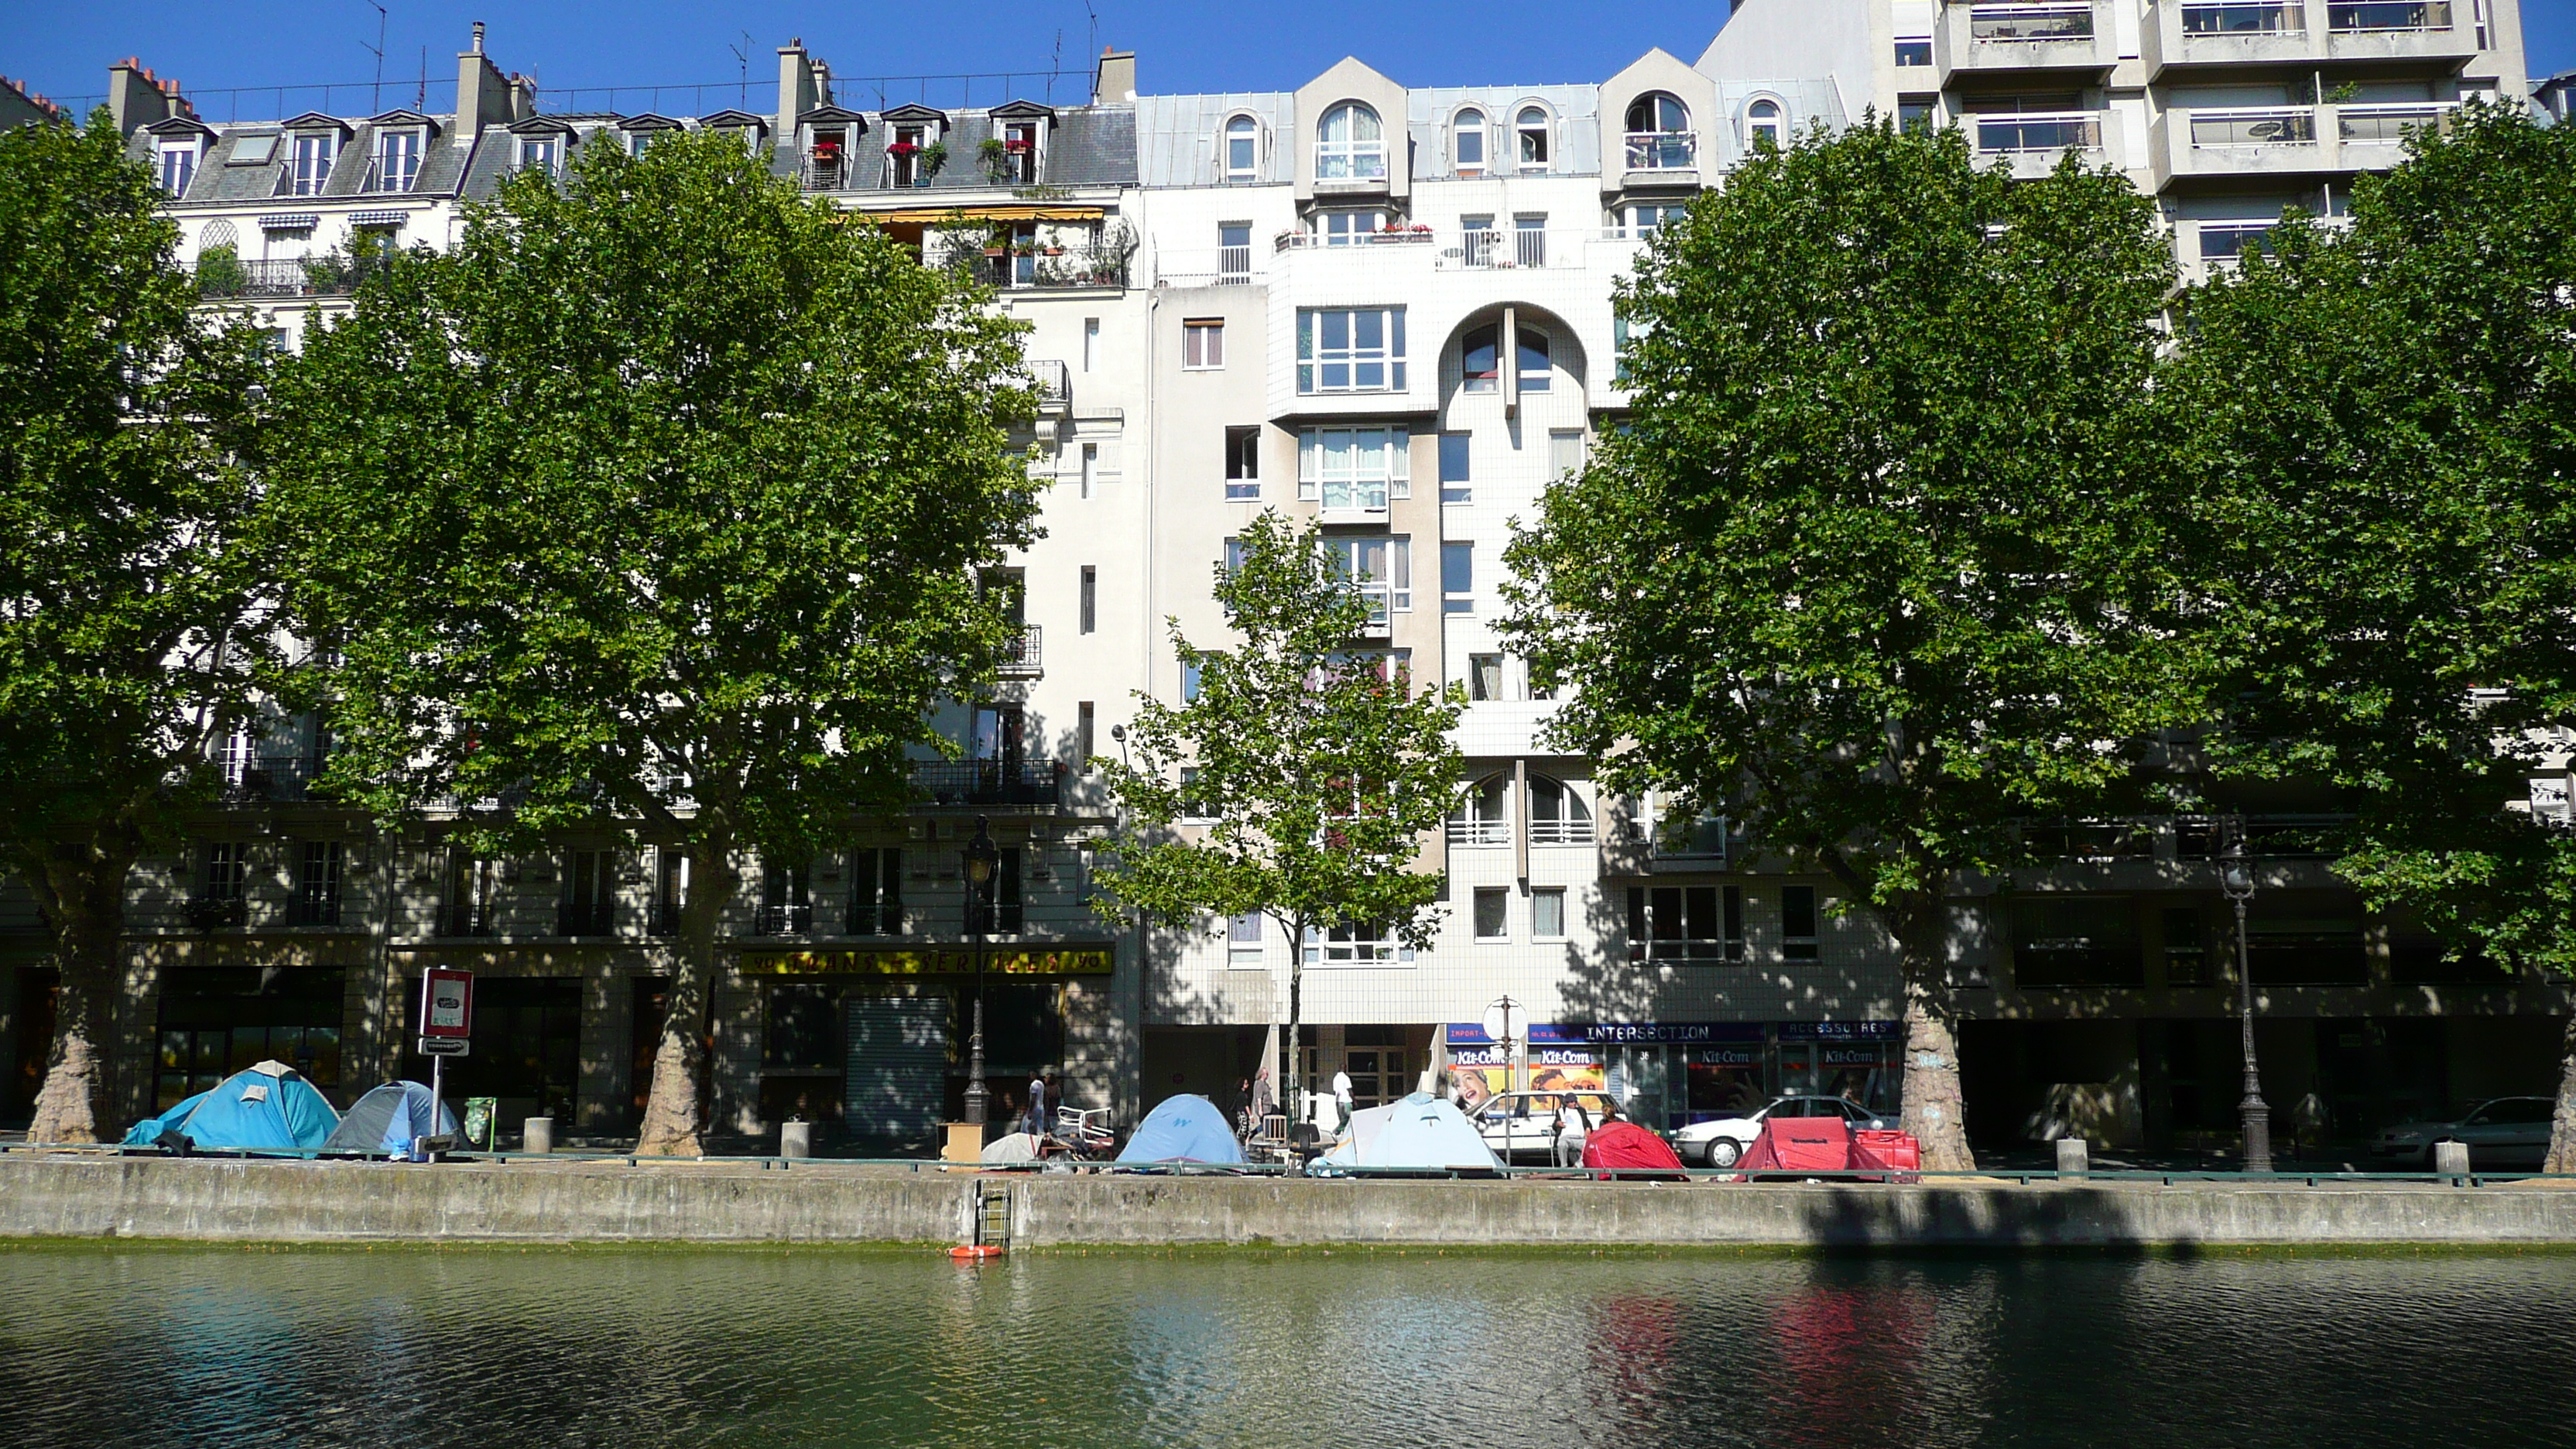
{"x":1480,"y":359}
{"x":1558,"y":815}
{"x":1533,"y":363}
{"x":1350,"y":145}
{"x":1762,"y":125}
{"x":1242,"y":148}
{"x":1532,"y":130}
{"x":1484,"y":817}
{"x":1467,"y":148}
{"x":1659,"y":134}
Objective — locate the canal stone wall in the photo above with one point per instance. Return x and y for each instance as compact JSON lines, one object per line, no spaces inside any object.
{"x":278,"y":1201}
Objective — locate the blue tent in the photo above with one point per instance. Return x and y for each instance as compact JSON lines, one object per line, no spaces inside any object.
{"x":1183,"y":1129}
{"x":387,"y":1119}
{"x":1420,"y":1131}
{"x":267,"y":1106}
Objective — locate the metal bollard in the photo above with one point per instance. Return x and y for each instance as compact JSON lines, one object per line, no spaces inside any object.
{"x":2074,"y":1157}
{"x":2451,"y":1159}
{"x":537,"y":1135}
{"x":795,"y":1139}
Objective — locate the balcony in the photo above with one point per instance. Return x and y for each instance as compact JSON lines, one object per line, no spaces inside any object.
{"x":595,"y":918}
{"x":2304,"y":32}
{"x":1974,"y":38}
{"x":990,"y":784}
{"x":229,"y":278}
{"x":273,"y":779}
{"x":464,"y":920}
{"x":1054,"y":268}
{"x":2285,"y":141}
{"x":1464,"y":834}
{"x":1561,"y":832}
{"x":2031,"y":144}
{"x":782,"y":920}
{"x":1234,"y":266}
{"x":205,"y":913}
{"x":1054,"y":383}
{"x":392,"y":179}
{"x":1662,"y":158}
{"x":1025,"y":656}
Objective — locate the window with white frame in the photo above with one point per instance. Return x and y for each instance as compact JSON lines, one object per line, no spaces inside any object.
{"x":1547,"y":913}
{"x":1380,"y":568}
{"x":1243,"y":464}
{"x":1364,"y":943}
{"x":1354,"y":468}
{"x":1203,"y":343}
{"x":1467,"y":143}
{"x":1659,"y":134}
{"x":1534,"y":365}
{"x":540,"y":153}
{"x":1242,"y":149}
{"x":1243,"y":941}
{"x":1564,"y":452}
{"x":397,"y":161}
{"x":1531,"y":129}
{"x":314,"y":154}
{"x":1458,"y":578}
{"x":1646,"y":218}
{"x":1763,"y":125}
{"x":1234,"y":252}
{"x":1350,"y":145}
{"x":1484,"y":677}
{"x":1480,"y":359}
{"x":1557,"y":813}
{"x":1350,"y":349}
{"x":1493,"y":913}
{"x":1020,"y":151}
{"x":178,"y":165}
{"x":1456,"y":483}
{"x":1483,"y":815}
{"x":1343,"y":227}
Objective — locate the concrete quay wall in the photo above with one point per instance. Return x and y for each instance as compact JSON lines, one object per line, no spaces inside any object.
{"x":228,"y":1201}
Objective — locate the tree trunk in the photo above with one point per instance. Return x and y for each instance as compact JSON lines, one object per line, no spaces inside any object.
{"x":2562,"y":1123}
{"x":672,"y":1124}
{"x":82,"y":889}
{"x":1934,"y":1106}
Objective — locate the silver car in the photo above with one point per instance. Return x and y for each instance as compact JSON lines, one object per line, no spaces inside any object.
{"x":2507,"y":1132}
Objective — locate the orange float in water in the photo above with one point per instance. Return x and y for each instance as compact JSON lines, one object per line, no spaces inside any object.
{"x":974,"y":1251}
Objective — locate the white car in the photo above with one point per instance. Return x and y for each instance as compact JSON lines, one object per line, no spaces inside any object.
{"x":2507,"y":1132}
{"x":1521,"y":1126}
{"x":1721,"y":1143}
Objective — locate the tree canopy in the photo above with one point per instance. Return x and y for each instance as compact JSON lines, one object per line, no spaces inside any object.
{"x":1876,"y":569}
{"x":658,"y":503}
{"x":134,"y":603}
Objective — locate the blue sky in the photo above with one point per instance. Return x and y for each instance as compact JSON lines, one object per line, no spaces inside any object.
{"x":64,"y":48}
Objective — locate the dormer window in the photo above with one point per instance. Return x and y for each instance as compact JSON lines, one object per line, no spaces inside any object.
{"x":906,"y":153}
{"x":1467,"y":146}
{"x":314,"y":154}
{"x":397,"y":163}
{"x":1020,"y":151}
{"x":540,"y":153}
{"x":1350,"y":144}
{"x":1531,"y":128}
{"x":1659,"y":134}
{"x":1242,"y":149}
{"x":178,"y":165}
{"x":1763,"y":125}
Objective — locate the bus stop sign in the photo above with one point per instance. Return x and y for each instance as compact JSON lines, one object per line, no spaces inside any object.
{"x":446,"y":1011}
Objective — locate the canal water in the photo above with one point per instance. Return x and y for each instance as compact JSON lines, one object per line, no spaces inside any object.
{"x":496,"y":1347}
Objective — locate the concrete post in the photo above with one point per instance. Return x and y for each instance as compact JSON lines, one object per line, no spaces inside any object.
{"x":538,"y":1135}
{"x":2074,"y":1157}
{"x":795,"y":1139}
{"x":2451,"y":1159}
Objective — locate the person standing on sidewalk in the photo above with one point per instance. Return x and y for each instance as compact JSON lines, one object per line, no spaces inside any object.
{"x":1037,"y":1124}
{"x":1342,"y":1101}
{"x":1573,"y":1125}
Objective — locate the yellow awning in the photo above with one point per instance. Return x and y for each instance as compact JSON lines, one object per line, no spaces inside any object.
{"x":934,"y":215}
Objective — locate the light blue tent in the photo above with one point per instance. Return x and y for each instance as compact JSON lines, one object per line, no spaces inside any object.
{"x":387,"y":1119}
{"x":1183,"y":1129}
{"x":1421,"y":1131}
{"x":267,"y":1107}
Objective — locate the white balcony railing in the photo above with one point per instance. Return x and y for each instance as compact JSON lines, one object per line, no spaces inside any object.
{"x":2244,"y":17}
{"x":2271,"y":126}
{"x":2386,"y":122}
{"x":1663,"y":150}
{"x":1479,"y":832}
{"x":2021,"y":24}
{"x":2048,"y":133}
{"x":1560,"y":832}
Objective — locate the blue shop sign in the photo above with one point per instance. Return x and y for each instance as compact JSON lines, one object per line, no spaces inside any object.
{"x":1617,"y":1033}
{"x":1841,"y":1030}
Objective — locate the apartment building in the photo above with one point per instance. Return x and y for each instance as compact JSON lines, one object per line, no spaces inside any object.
{"x":1385,"y":309}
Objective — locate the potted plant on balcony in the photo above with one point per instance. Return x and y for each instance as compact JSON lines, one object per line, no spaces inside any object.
{"x":995,"y":158}
{"x":933,"y":157}
{"x":220,"y":272}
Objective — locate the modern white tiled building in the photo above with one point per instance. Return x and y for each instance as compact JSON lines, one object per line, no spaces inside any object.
{"x":1388,"y":309}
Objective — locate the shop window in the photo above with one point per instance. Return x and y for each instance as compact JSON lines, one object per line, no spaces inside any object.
{"x":1493,"y":914}
{"x":527,"y":1045}
{"x":1798,"y":933}
{"x":2075,"y":941}
{"x":803,"y":1027}
{"x":876,"y":892}
{"x":216,"y":1021}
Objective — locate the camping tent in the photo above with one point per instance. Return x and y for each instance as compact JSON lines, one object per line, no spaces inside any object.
{"x":1183,"y":1129}
{"x":1625,"y":1146}
{"x":1012,"y":1147}
{"x":1420,"y":1131}
{"x":268,"y":1106}
{"x":1800,"y":1144}
{"x":387,"y":1119}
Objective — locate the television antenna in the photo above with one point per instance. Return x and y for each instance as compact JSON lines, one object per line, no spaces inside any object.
{"x":378,"y":51}
{"x":742,"y":63}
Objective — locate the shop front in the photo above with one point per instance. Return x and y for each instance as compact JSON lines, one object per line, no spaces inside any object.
{"x":873,"y":1044}
{"x":1671,"y":1074}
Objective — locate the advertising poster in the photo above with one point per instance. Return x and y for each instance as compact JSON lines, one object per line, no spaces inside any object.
{"x":1483,"y":1071}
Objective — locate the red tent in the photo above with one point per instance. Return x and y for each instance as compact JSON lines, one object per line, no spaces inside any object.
{"x":1800,"y":1144}
{"x":1627,"y":1146}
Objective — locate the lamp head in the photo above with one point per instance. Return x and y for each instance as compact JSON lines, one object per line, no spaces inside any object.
{"x":981,"y":854}
{"x":2235,"y":872}
{"x":1118,"y":732}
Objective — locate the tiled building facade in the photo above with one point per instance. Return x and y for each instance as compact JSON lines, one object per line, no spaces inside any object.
{"x":1387,"y":309}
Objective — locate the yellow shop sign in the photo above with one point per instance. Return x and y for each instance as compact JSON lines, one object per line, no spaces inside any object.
{"x":942,"y":961}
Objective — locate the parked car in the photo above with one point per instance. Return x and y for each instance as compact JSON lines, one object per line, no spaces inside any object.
{"x":2507,"y":1132}
{"x":1720,"y":1143}
{"x":1522,"y":1125}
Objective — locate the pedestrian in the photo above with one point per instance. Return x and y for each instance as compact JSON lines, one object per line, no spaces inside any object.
{"x":1573,"y":1125}
{"x":1245,"y":1121}
{"x":1342,"y":1100}
{"x":1262,"y":1099}
{"x":1037,"y":1123}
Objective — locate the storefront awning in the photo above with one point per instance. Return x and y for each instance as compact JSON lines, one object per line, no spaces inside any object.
{"x":934,"y":215}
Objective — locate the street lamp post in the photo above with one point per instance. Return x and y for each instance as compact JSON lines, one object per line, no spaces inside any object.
{"x":980,"y":858}
{"x":2236,"y":880}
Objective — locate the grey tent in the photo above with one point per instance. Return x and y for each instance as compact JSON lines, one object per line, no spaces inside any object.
{"x":384,"y":1122}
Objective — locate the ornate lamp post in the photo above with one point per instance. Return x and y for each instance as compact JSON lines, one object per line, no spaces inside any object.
{"x":981,"y":856}
{"x":2236,"y":881}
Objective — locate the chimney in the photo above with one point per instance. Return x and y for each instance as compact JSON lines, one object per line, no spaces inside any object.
{"x":822,"y":81}
{"x":795,"y":88}
{"x":1114,"y":84}
{"x":134,"y":98}
{"x":482,"y":93}
{"x":523,"y":97}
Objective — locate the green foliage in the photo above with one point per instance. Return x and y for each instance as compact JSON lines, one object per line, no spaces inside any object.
{"x":1878,"y":567}
{"x":220,"y":272}
{"x":131,"y":608}
{"x":995,"y":158}
{"x":1319,"y":774}
{"x":659,"y":499}
{"x":343,"y":269}
{"x":2386,"y":420}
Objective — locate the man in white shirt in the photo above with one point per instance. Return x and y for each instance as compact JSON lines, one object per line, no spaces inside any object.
{"x":1342,"y":1101}
{"x":1573,"y":1124}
